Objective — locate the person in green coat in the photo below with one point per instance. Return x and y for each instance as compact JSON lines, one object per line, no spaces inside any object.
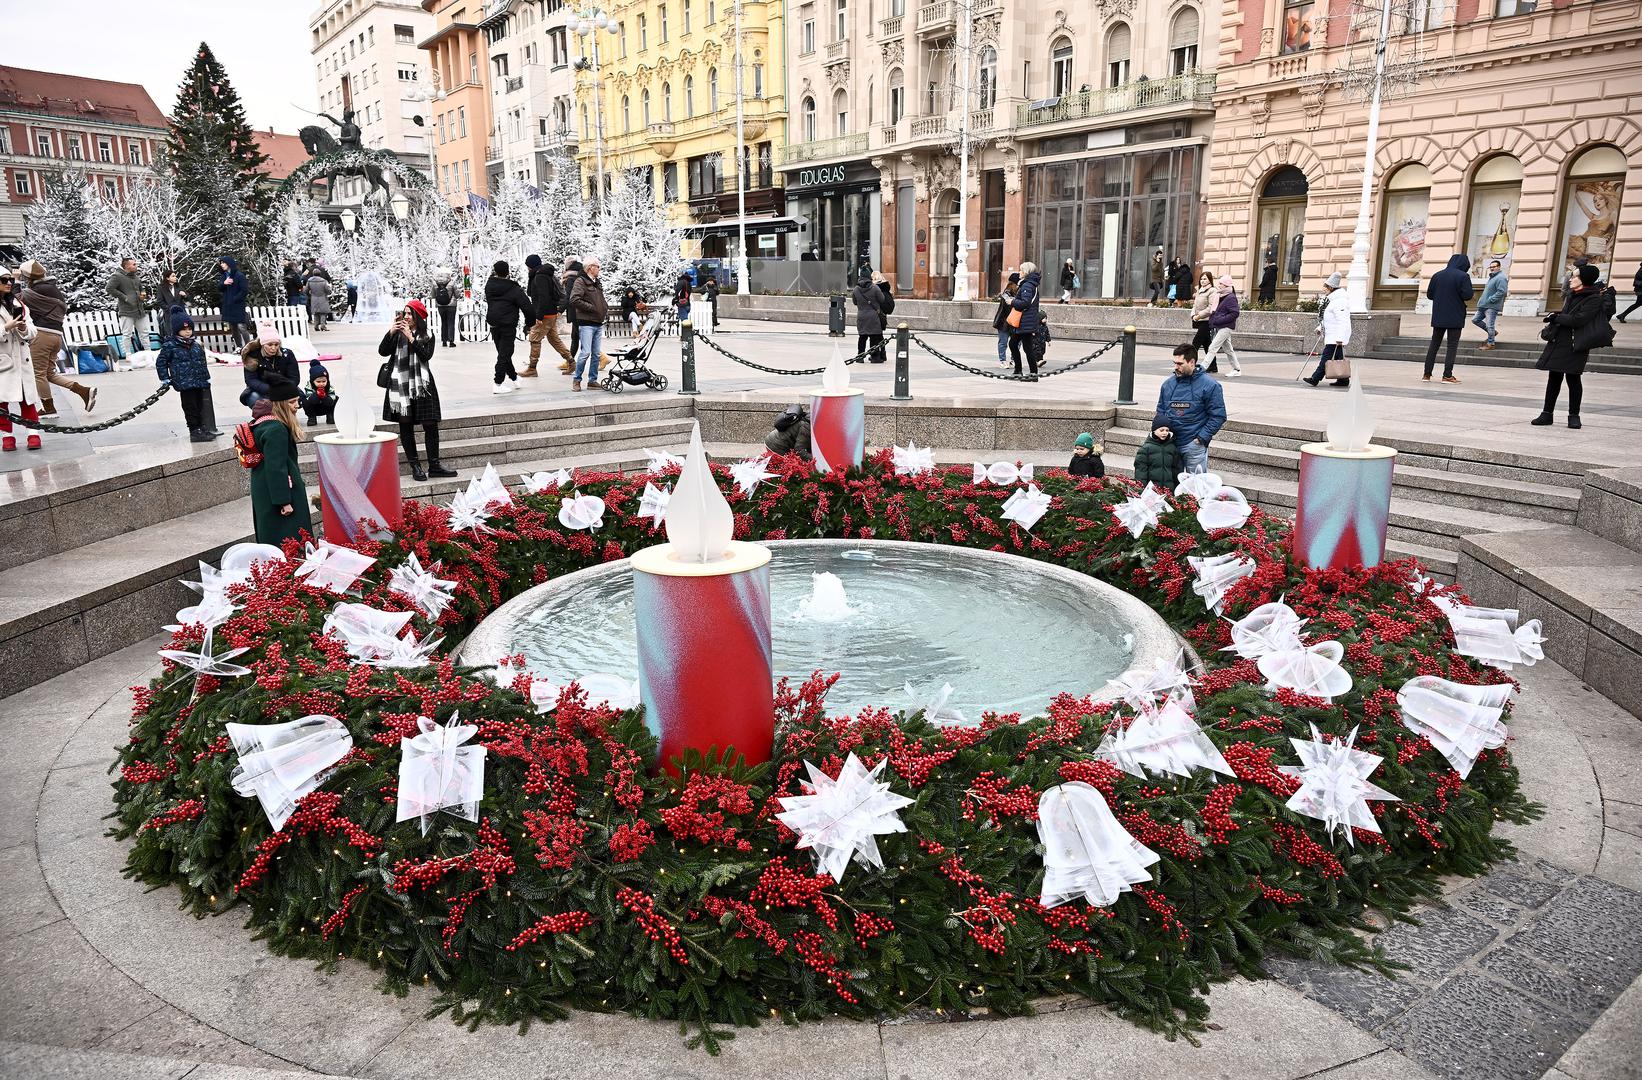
{"x":279,"y":500}
{"x":1159,"y":461}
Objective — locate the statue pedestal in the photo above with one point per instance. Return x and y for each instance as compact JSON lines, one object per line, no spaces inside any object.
{"x":1345,"y":501}
{"x":359,"y":482}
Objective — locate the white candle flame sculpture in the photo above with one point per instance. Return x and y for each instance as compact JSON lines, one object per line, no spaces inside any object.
{"x":355,"y":417}
{"x":837,"y":375}
{"x":1351,"y":425}
{"x":699,"y":521}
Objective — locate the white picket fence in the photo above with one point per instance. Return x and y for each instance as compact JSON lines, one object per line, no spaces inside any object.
{"x":95,"y":327}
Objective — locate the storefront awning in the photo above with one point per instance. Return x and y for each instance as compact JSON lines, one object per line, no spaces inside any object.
{"x":755,"y":225}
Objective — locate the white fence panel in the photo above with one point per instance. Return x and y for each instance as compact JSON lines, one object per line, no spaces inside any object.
{"x":94,"y":327}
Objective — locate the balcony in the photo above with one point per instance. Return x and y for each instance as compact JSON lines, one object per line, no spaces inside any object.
{"x":563,"y":141}
{"x":662,"y":139}
{"x":755,"y":117}
{"x":891,"y":27}
{"x":984,"y":7}
{"x":937,"y":19}
{"x":493,"y":151}
{"x":837,"y":52}
{"x":1195,"y":88}
{"x":924,"y":127}
{"x":983,"y":121}
{"x":818,"y":149}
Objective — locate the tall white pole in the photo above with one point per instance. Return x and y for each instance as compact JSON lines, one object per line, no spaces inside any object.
{"x":960,"y":269}
{"x":1357,"y":278}
{"x":598,"y":112}
{"x":743,"y":286}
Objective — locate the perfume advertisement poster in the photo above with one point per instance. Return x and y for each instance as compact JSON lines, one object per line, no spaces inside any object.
{"x":1493,"y":227}
{"x":1591,"y":222}
{"x":1403,"y":246}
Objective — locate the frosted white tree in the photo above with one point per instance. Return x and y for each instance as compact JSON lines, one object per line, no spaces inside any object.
{"x":147,"y":222}
{"x":635,"y":243}
{"x":60,"y":230}
{"x":303,"y":235}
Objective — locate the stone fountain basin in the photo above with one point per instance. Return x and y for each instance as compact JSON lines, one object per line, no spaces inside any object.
{"x":1008,"y":633}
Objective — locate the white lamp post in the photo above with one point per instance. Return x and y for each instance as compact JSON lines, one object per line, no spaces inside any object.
{"x":1357,"y":290}
{"x":743,"y":286}
{"x":349,"y":220}
{"x":586,"y":24}
{"x":400,"y":205}
{"x":960,"y":269}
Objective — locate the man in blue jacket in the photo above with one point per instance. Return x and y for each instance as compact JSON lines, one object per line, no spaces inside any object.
{"x":1492,"y":302}
{"x":1191,"y":408}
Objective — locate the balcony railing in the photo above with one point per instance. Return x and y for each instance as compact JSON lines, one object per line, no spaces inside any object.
{"x":513,"y":84}
{"x":925,"y":126}
{"x":1194,"y":87}
{"x":938,"y":16}
{"x":982,"y":7}
{"x":493,"y":151}
{"x":836,"y":51}
{"x":556,"y":140}
{"x":891,"y":27}
{"x":839,"y":146}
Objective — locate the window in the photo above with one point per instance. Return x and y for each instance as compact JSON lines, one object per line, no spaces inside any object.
{"x":686,"y":16}
{"x":1183,"y":42}
{"x":758,"y":82}
{"x":626,"y":116}
{"x":808,"y":111}
{"x":105,"y":150}
{"x":644,"y":107}
{"x":712,"y":89}
{"x":1117,"y":55}
{"x":42,"y":143}
{"x":661,"y":20}
{"x":1421,"y":15}
{"x":587,"y":132}
{"x":840,"y":20}
{"x":111,"y":189}
{"x":706,"y":175}
{"x":669,"y":182}
{"x":558,"y":47}
{"x":1402,"y":238}
{"x":467,"y":175}
{"x":75,"y":151}
{"x":473,"y":67}
{"x":462,"y":121}
{"x":1297,"y":25}
{"x":621,"y":39}
{"x":840,"y":113}
{"x":25,"y":184}
{"x":498,"y":66}
{"x":806,"y":33}
{"x":897,"y":96}
{"x":1506,"y":8}
{"x":989,"y":77}
{"x":1060,"y":67}
{"x":667,"y":101}
{"x":689,"y":96}
{"x":404,"y":35}
{"x":1592,"y":195}
{"x":5,"y":140}
{"x":408,"y":73}
{"x":897,"y":7}
{"x":644,"y":34}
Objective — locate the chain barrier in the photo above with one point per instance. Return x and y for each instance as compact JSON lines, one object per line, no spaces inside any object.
{"x":59,"y":429}
{"x":1008,"y":376}
{"x":858,"y":358}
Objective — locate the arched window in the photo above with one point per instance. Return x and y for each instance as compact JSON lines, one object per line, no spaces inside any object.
{"x":1590,"y":208}
{"x":989,"y":77}
{"x":626,"y":116}
{"x":689,"y":96}
{"x":667,"y":101}
{"x":1117,"y":55}
{"x":897,"y":96}
{"x":1060,"y":66}
{"x":871,"y":105}
{"x":712,"y":89}
{"x":1402,"y":229}
{"x":1491,"y":218}
{"x":808,"y":111}
{"x":1282,"y":224}
{"x":840,"y":112}
{"x":1183,"y":33}
{"x":644,"y":107}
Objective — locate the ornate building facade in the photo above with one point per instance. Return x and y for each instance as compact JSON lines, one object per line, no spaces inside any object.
{"x":1087,"y":124}
{"x":1513,"y":132}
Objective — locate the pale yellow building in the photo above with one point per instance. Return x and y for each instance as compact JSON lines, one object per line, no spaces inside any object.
{"x":668,"y":109}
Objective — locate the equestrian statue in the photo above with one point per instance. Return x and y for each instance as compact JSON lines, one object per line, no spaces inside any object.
{"x":321,"y":145}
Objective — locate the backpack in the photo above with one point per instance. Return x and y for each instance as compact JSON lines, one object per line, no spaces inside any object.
{"x":789,"y":416}
{"x":245,"y":446}
{"x":441,"y":295}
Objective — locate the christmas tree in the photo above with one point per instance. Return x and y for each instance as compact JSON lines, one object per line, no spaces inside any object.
{"x":637,"y":245}
{"x":61,"y":230}
{"x":208,"y":125}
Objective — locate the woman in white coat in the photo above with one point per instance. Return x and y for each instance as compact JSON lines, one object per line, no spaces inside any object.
{"x":1336,"y":326}
{"x":16,"y":369}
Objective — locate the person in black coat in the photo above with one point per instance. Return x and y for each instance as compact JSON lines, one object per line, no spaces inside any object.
{"x":1068,"y":280}
{"x":1000,"y":320}
{"x":1026,"y":334}
{"x":1449,"y":291}
{"x":1636,"y":287}
{"x":1579,"y":327}
{"x":1182,"y":283}
{"x":869,"y":317}
{"x":262,"y":358}
{"x":412,"y":397}
{"x":444,"y":298}
{"x":1267,"y":293}
{"x":505,"y":304}
{"x":547,"y":300}
{"x":710,"y":290}
{"x":1086,"y":457}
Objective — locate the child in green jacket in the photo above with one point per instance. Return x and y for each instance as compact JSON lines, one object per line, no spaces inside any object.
{"x":1159,"y":461}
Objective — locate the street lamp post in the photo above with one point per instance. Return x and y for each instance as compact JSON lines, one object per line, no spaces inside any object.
{"x":960,"y":269}
{"x":1357,"y":290}
{"x":586,"y":25}
{"x":743,"y":286}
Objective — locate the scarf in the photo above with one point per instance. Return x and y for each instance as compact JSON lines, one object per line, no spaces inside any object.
{"x":261,"y":408}
{"x":410,"y":379}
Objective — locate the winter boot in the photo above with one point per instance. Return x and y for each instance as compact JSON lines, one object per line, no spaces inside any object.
{"x":436,"y":468}
{"x":9,"y":443}
{"x":1573,"y":421}
{"x":1544,"y":419}
{"x":34,"y":442}
{"x":197,"y":435}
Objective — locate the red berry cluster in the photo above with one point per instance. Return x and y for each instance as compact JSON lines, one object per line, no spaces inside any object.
{"x":1157,"y":836}
{"x":558,"y":838}
{"x":783,"y":887}
{"x":869,"y":926}
{"x":141,"y":772}
{"x":1216,"y":815}
{"x":1303,"y":850}
{"x":1166,"y":912}
{"x":1253,"y":763}
{"x":992,"y":794}
{"x":629,"y":842}
{"x":1100,"y":775}
{"x":1276,"y":895}
{"x":689,"y":821}
{"x":813,"y":950}
{"x":315,"y":813}
{"x":334,"y":923}
{"x":569,"y":922}
{"x":751,"y":924}
{"x":655,"y":926}
{"x":187,"y":810}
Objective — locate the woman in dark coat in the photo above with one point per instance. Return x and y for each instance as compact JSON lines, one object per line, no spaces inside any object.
{"x":412,"y":397}
{"x":869,"y":316}
{"x":279,"y":499}
{"x":1026,"y":334}
{"x":1068,"y":280}
{"x":169,"y":295}
{"x":1573,"y":333}
{"x":234,"y":290}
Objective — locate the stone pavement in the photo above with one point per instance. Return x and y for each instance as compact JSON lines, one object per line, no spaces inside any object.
{"x":1530,"y":973}
{"x":1490,"y":408}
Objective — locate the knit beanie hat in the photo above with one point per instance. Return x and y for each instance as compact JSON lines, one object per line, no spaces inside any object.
{"x":1333,"y":280}
{"x":534,"y":262}
{"x":32,"y":270}
{"x":268,"y":334}
{"x":316,"y":370}
{"x":1590,"y":274}
{"x":420,"y":308}
{"x":500,"y":269}
{"x":281,"y":389}
{"x":179,"y":320}
{"x":1085,"y":439}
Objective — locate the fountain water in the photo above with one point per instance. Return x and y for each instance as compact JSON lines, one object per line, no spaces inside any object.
{"x":826,"y":602}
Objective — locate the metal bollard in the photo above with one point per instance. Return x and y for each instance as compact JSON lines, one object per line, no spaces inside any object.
{"x":687,"y":345}
{"x":1126,"y":371}
{"x":903,"y":357}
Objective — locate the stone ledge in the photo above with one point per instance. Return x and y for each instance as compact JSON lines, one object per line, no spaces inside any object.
{"x":1610,"y":506}
{"x":978,"y":425}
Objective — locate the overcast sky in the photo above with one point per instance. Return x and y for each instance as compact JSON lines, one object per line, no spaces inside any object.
{"x":262,"y":43}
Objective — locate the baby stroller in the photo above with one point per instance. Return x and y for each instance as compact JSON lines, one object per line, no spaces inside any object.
{"x":630,"y":367}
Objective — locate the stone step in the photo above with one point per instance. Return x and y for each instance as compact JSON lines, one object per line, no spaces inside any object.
{"x":1602,"y":361}
{"x":1541,"y":502}
{"x":1405,"y":342}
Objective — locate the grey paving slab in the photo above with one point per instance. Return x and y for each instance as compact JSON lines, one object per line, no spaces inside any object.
{"x":1264,"y":1030}
{"x":59,"y":990}
{"x":38,"y":1062}
{"x":171,"y":1033}
{"x":1521,"y":1041}
{"x":1612,"y":1048}
{"x":26,"y":904}
{"x":1383,"y":1065}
